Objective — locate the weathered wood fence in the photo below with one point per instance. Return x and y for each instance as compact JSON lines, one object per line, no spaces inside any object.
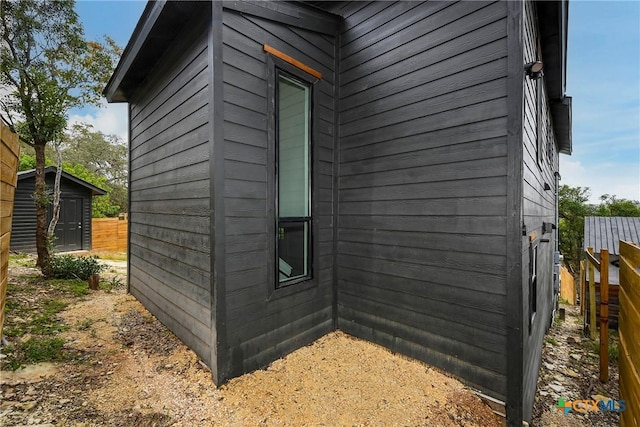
{"x":629,"y":329}
{"x":9,"y":154}
{"x":109,"y":234}
{"x":602,"y":266}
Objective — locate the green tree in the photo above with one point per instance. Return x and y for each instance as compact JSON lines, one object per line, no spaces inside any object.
{"x":572,"y":209}
{"x":612,"y":206}
{"x":102,"y":206}
{"x":47,"y":67}
{"x":102,"y":155}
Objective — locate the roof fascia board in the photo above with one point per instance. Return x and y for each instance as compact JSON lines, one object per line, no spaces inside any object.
{"x":131,"y":51}
{"x":97,"y":191}
{"x":561,"y":113}
{"x":553,"y":21}
{"x":294,"y":14}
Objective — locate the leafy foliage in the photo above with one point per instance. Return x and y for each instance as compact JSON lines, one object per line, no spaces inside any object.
{"x":71,"y":267}
{"x":572,"y":209}
{"x":97,"y":158}
{"x":612,"y":206}
{"x":47,"y":68}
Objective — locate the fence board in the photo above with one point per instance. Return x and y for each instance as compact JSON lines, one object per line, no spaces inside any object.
{"x":109,"y":234}
{"x":9,"y":154}
{"x":567,"y":286}
{"x":629,"y":332}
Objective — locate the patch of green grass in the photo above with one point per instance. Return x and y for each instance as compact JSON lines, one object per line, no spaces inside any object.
{"x":21,"y":260}
{"x":34,"y":350}
{"x":552,"y":341}
{"x":43,"y":322}
{"x":46,"y":323}
{"x":37,"y":350}
{"x":10,"y":363}
{"x":83,"y":326}
{"x":612,"y":349}
{"x":75,"y":287}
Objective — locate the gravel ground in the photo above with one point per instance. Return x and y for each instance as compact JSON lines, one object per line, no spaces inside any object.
{"x":570,"y":370}
{"x":131,"y":371}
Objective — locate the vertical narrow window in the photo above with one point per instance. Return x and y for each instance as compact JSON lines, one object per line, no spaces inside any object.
{"x":533,"y":282}
{"x":293,"y":176}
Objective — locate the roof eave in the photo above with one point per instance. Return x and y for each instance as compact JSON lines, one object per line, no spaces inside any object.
{"x":95,"y":191}
{"x":562,"y":123}
{"x":113,"y":91}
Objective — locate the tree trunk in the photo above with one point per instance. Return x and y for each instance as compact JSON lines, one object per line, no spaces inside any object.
{"x":56,"y":197}
{"x":41,"y":199}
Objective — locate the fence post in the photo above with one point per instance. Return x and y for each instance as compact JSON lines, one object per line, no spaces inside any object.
{"x":583,"y":290}
{"x":604,"y":315}
{"x":592,"y":298}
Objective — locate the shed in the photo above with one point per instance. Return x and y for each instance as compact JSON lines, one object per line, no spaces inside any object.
{"x":73,"y":231}
{"x":389,"y":169}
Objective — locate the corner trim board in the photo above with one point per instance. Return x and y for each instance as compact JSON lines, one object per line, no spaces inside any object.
{"x":515,"y":299}
{"x":220,"y":357}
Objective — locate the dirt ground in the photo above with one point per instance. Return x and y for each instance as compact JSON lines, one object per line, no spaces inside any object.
{"x":128,"y":370}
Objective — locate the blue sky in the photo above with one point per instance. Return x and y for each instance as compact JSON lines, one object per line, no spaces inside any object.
{"x":603,"y":78}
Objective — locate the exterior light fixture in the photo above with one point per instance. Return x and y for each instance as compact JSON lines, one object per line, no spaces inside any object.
{"x":534,"y":69}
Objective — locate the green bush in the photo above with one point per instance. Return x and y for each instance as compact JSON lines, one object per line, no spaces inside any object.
{"x":71,"y":267}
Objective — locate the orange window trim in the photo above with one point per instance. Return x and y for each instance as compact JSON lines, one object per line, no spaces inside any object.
{"x":292,"y":61}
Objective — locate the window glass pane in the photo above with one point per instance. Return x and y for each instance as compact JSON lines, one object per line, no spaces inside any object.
{"x":293,"y":149}
{"x":293,"y":250}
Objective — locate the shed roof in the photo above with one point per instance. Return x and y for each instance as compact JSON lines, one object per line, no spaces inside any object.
{"x":606,"y":232}
{"x":95,"y":191}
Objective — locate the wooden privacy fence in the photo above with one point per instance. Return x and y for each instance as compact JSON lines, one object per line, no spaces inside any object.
{"x":567,"y":286}
{"x":109,"y":234}
{"x":9,"y":153}
{"x":629,"y":329}
{"x":602,"y":266}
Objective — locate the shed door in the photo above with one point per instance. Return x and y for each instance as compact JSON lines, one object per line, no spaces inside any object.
{"x":69,"y":227}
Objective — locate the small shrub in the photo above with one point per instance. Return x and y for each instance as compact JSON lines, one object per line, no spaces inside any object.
{"x":70,"y":267}
{"x":110,"y":285}
{"x":75,"y":287}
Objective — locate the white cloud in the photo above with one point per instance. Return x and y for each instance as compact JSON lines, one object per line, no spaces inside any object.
{"x":605,"y":178}
{"x":110,"y":119}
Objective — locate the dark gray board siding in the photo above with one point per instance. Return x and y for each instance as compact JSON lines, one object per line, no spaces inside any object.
{"x":169,"y":214}
{"x":422,"y":183}
{"x":538,"y":207}
{"x":262,"y":323}
{"x":23,"y":227}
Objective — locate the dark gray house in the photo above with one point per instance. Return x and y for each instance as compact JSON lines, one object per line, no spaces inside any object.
{"x":73,"y":231}
{"x":388,"y":169}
